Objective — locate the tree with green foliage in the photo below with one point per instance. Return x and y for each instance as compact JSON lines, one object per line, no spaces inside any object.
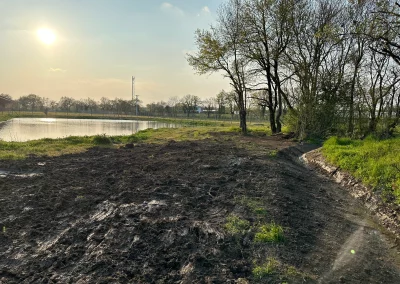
{"x":219,"y":50}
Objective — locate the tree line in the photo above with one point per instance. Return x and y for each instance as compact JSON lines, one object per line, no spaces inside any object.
{"x":220,"y":106}
{"x":33,"y":102}
{"x":321,"y":66}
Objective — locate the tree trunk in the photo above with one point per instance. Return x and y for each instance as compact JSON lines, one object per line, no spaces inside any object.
{"x":272,"y":119}
{"x":279,"y":114}
{"x":243,"y":126}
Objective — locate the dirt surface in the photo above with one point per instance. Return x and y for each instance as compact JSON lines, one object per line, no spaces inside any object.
{"x":157,"y":214}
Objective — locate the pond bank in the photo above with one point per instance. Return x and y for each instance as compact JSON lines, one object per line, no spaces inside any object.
{"x":388,"y":214}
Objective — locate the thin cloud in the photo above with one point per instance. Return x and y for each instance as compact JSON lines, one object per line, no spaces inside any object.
{"x":57,"y":70}
{"x":205,"y":9}
{"x":168,"y":7}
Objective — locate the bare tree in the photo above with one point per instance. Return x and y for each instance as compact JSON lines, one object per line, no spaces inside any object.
{"x":209,"y":106}
{"x":66,"y":103}
{"x":189,"y":104}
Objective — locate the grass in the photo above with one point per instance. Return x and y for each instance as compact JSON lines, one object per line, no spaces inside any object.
{"x":44,"y":147}
{"x":266,"y":269}
{"x":75,"y":144}
{"x":375,"y":162}
{"x":235,"y":225}
{"x":273,"y":268}
{"x":254,"y":204}
{"x":269,"y":233}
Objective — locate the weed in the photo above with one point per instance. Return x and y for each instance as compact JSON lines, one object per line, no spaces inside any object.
{"x":236,"y":225}
{"x":273,"y":153}
{"x":266,"y":269}
{"x":4,"y":229}
{"x":269,"y":233}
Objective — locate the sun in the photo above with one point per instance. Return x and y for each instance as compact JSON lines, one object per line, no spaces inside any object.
{"x":46,"y":36}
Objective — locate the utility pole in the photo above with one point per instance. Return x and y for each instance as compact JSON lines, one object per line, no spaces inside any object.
{"x":133,"y":95}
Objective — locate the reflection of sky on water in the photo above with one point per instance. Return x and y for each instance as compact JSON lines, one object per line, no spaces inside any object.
{"x":24,"y":129}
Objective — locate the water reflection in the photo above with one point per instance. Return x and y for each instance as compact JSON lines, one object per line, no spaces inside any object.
{"x":24,"y":129}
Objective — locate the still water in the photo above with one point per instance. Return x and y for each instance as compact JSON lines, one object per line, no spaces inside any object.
{"x":24,"y":129}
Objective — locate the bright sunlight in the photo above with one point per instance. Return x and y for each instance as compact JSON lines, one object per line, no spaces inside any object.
{"x":46,"y":36}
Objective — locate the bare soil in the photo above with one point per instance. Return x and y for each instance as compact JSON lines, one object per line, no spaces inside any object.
{"x":157,"y":214}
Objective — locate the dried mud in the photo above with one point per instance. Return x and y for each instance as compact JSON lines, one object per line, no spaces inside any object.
{"x":156,"y":214}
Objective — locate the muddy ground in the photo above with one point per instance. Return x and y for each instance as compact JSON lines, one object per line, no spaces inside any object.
{"x":157,"y":214}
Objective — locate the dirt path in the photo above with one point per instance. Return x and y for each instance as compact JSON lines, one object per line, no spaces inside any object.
{"x":156,"y":214}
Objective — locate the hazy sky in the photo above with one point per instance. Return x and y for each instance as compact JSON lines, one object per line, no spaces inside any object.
{"x":100,"y":44}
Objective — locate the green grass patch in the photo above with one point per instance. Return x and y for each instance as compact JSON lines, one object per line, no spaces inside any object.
{"x":271,"y":266}
{"x":44,"y":147}
{"x":375,"y":162}
{"x":273,"y":153}
{"x":269,"y":233}
{"x":76,"y":144}
{"x":235,"y":225}
{"x":254,"y":204}
{"x":273,"y":270}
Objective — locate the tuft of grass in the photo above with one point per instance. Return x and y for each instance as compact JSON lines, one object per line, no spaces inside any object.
{"x":274,"y":270}
{"x":101,"y":140}
{"x":254,"y":204}
{"x":235,"y":225}
{"x":375,"y":162}
{"x":266,"y":269}
{"x":273,"y":153}
{"x":269,"y":233}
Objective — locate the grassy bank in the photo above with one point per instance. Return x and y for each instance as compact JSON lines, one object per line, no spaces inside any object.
{"x":375,"y":162}
{"x":74,"y":144}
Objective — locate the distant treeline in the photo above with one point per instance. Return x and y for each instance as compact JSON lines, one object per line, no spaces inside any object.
{"x":222,"y":106}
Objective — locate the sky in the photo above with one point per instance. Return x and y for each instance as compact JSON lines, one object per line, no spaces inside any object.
{"x":100,"y":44}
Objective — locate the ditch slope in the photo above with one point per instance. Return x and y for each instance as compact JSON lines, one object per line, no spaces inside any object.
{"x":158,"y":214}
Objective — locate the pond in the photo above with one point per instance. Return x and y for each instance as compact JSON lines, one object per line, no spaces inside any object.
{"x":25,"y":129}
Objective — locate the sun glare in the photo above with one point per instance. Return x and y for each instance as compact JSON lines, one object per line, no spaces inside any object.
{"x":46,"y":36}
